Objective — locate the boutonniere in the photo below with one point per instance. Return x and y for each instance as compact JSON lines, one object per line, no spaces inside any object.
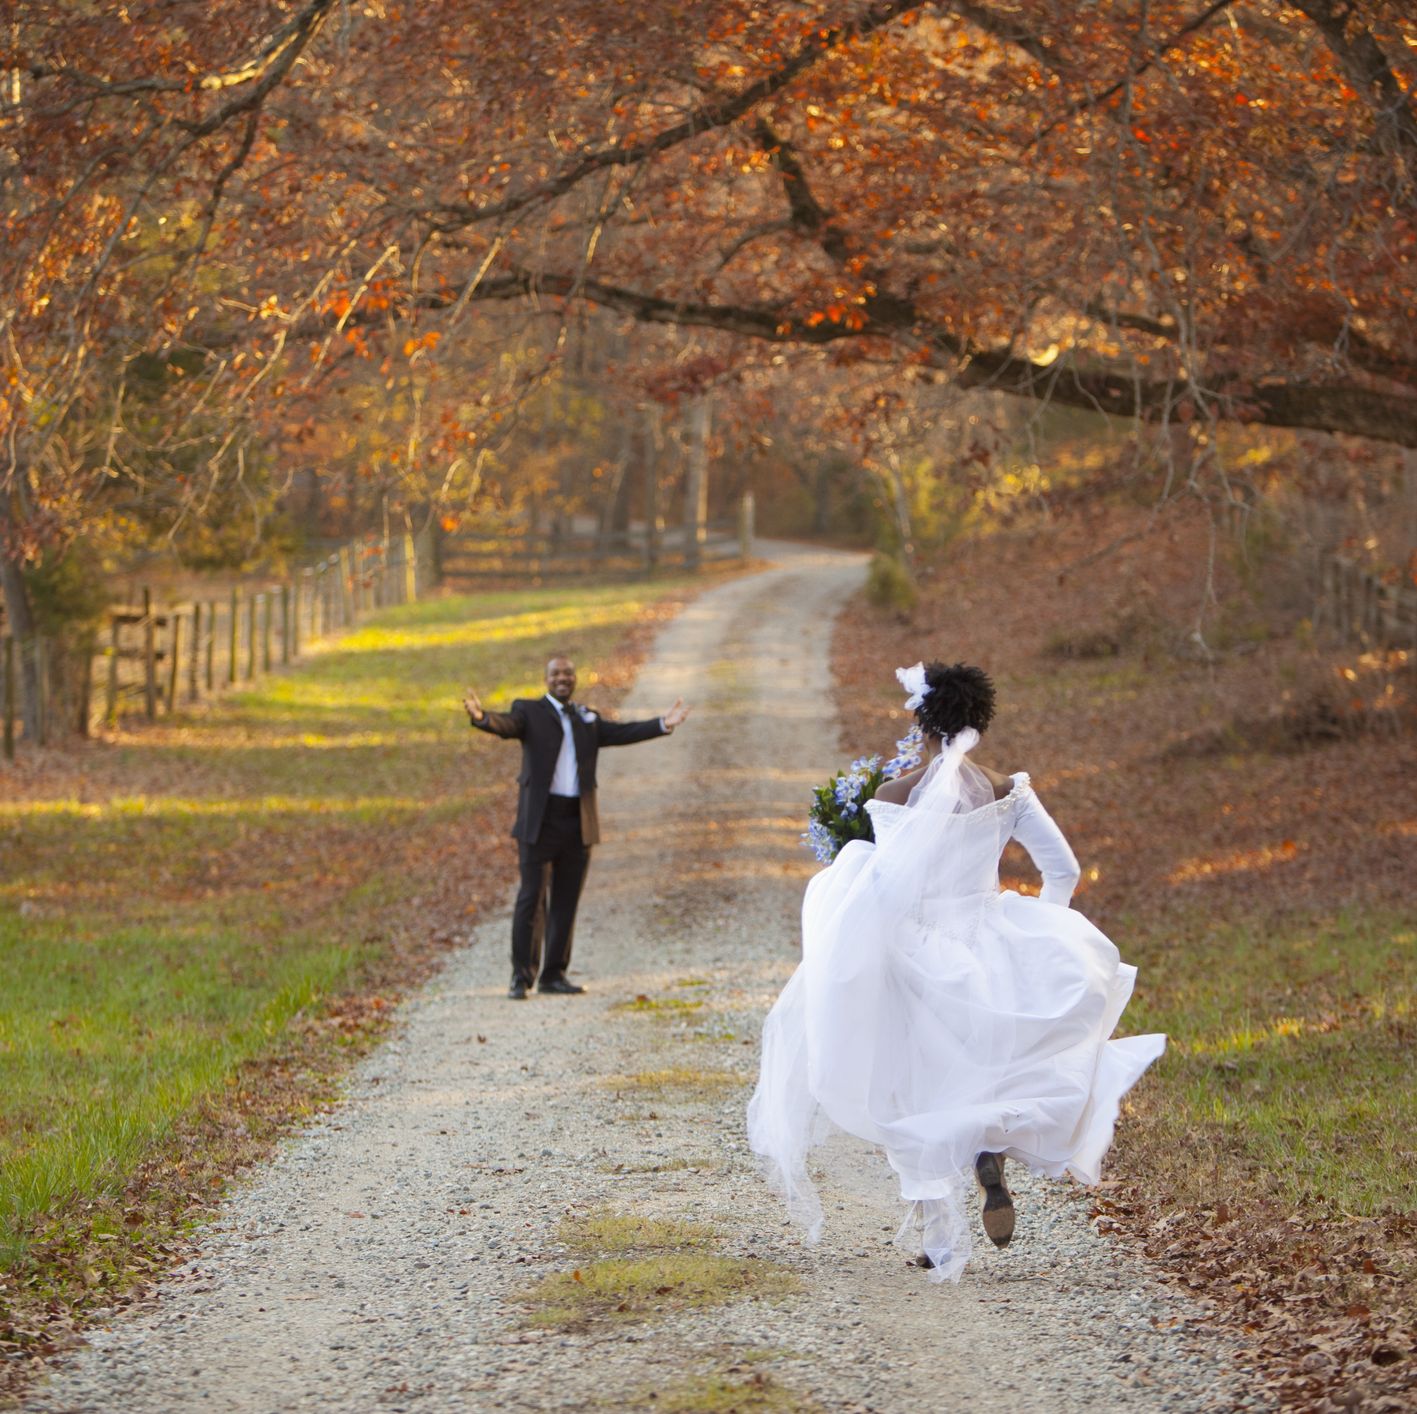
{"x":585,"y":714}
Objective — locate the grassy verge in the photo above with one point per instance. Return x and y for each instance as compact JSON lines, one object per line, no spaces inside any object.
{"x":201,"y":921}
{"x":1290,"y":1071}
{"x":722,"y":1393}
{"x":1270,"y":1159}
{"x":631,"y":1269}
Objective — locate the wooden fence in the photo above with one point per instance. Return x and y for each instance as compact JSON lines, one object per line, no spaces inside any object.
{"x":1361,"y":607}
{"x":641,"y":550}
{"x":154,"y":658}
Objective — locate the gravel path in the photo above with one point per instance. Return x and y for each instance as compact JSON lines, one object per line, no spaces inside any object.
{"x":376,"y":1264}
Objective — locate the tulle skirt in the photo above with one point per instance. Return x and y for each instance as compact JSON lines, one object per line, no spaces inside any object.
{"x":980,"y":1024}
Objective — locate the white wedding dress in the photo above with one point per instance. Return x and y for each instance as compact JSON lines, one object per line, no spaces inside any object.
{"x":937,"y":1017}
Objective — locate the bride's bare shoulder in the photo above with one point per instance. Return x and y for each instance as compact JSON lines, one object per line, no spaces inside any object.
{"x":897,"y":791}
{"x":1000,"y":783}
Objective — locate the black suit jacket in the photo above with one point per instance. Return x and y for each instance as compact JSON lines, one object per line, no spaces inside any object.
{"x":537,"y":725}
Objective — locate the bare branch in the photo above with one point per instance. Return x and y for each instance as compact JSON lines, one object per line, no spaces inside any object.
{"x":1370,"y":73}
{"x":1164,"y":48}
{"x":295,"y":31}
{"x":716,"y":113}
{"x":809,"y":216}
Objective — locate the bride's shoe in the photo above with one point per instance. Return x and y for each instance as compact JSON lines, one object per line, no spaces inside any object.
{"x":998,"y":1202}
{"x":917,"y":1217}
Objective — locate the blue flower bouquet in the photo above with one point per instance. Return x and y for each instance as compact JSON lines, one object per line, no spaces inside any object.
{"x":838,"y":813}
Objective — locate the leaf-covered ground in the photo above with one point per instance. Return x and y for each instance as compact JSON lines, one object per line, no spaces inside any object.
{"x":204,"y":920}
{"x":1243,"y":809}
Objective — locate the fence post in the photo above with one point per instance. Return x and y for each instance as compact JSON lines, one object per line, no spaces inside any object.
{"x":251,"y":597}
{"x":346,"y":585}
{"x":149,"y":657}
{"x":110,"y":712}
{"x":194,"y":669}
{"x":9,"y":712}
{"x":745,"y":525}
{"x":233,"y":631}
{"x":173,"y":668}
{"x":211,"y":646}
{"x":84,"y":714}
{"x":292,"y":618}
{"x":41,"y":673}
{"x":267,"y":614}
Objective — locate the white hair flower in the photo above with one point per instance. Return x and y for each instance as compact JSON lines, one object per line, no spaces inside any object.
{"x":913,"y":681}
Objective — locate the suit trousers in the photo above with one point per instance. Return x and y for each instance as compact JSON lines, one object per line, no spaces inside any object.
{"x":553,"y":869}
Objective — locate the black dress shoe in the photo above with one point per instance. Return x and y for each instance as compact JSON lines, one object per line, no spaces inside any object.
{"x":998,"y":1212}
{"x":560,"y":986}
{"x":517,"y":991}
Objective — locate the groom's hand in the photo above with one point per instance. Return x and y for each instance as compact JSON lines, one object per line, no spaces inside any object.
{"x":677,"y":714}
{"x":472,"y":704}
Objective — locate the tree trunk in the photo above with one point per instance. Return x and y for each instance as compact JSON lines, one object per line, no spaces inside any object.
{"x":21,"y":621}
{"x":615,"y":507}
{"x":696,"y":489}
{"x":652,"y":433}
{"x":826,"y":474}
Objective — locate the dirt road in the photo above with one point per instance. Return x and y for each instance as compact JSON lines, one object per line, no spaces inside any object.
{"x":383,"y":1261}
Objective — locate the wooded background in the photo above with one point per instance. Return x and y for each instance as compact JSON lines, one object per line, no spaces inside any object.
{"x":288,"y":273}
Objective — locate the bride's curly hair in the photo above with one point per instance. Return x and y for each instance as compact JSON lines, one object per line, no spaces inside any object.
{"x":959,"y":697}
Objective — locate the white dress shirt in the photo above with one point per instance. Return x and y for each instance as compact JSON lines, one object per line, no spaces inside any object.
{"x":566,"y":779}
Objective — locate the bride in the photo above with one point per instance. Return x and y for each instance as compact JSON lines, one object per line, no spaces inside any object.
{"x":948,"y":1023}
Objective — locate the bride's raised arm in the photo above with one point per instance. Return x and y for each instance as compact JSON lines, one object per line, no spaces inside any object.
{"x":1048,"y":848}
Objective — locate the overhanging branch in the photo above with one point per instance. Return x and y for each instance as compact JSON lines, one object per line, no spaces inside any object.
{"x":1345,"y":408}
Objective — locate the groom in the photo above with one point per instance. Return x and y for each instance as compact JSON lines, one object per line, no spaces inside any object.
{"x":556,"y":815}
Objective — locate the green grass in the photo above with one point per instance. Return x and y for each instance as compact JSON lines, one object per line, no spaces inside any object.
{"x":106,"y":1037}
{"x":1290,"y":1061}
{"x":662,"y":1007}
{"x":721,"y":1394}
{"x":631,"y":1269}
{"x":223,"y":874}
{"x":608,"y":1233}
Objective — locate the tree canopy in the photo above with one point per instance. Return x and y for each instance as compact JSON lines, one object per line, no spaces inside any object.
{"x":1181,"y":212}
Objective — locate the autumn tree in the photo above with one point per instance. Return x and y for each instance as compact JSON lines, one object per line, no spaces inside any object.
{"x":1172,"y":211}
{"x":1183,"y":213}
{"x":1178,"y":215}
{"x":122,"y":131}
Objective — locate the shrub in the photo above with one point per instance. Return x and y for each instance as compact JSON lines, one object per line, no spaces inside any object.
{"x":1134,"y":626}
{"x":889,"y":584}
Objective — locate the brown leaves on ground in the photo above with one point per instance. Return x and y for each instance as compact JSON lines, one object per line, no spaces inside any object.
{"x":1101,"y":736}
{"x":1319,"y":1305}
{"x":1251,"y":773}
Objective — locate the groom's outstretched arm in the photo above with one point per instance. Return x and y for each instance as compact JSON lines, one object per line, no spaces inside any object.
{"x":626,"y":733}
{"x":507,"y":724}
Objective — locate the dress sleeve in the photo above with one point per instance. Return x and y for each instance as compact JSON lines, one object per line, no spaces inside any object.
{"x":1036,"y":830}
